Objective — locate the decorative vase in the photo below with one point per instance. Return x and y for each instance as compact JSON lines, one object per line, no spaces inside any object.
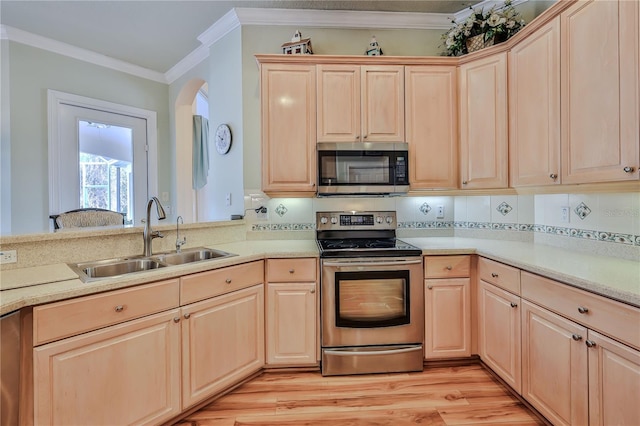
{"x":478,"y":42}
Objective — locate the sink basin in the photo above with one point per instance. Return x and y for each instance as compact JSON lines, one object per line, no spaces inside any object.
{"x":191,"y":255}
{"x":91,"y":271}
{"x":114,"y":268}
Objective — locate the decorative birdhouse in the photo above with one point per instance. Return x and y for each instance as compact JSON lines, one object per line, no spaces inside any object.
{"x":297,"y":45}
{"x":374,"y":48}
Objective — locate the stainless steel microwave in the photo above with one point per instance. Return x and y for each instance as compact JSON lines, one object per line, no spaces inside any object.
{"x":362,"y":168}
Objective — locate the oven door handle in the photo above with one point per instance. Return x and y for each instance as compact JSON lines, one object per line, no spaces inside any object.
{"x":372,"y":353}
{"x":373,"y":263}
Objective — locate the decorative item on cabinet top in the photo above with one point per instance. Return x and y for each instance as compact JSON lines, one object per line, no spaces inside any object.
{"x":374,"y":48}
{"x":297,"y":45}
{"x":482,"y":29}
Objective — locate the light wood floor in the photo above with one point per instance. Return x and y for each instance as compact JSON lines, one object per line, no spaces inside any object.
{"x":465,"y":395}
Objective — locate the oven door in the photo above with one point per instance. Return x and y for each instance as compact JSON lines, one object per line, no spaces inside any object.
{"x":372,"y":301}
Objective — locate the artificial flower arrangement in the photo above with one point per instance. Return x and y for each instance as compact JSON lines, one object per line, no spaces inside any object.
{"x":494,"y":26}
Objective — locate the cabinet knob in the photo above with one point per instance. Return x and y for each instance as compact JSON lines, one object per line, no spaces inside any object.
{"x":494,"y":275}
{"x":364,"y":137}
{"x":553,"y":176}
{"x":628,"y":169}
{"x":187,"y":315}
{"x":291,"y":271}
{"x":583,"y":310}
{"x":590,"y":343}
{"x":576,"y":337}
{"x":119,"y":308}
{"x":429,"y":287}
{"x":313,"y":290}
{"x":228,"y":281}
{"x":176,"y":319}
{"x":514,"y":305}
{"x":464,"y":182}
{"x":448,"y":268}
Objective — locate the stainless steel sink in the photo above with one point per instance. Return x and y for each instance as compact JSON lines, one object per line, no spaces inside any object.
{"x":91,"y":271}
{"x":191,"y":255}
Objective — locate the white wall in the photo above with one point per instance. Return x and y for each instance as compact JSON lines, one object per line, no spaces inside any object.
{"x":5,"y":140}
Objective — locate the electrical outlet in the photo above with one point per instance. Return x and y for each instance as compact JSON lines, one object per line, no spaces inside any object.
{"x":564,"y":214}
{"x":440,"y":212}
{"x":262,"y":213}
{"x":8,"y":256}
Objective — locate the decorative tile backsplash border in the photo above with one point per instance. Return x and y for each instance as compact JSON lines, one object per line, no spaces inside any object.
{"x":610,"y":237}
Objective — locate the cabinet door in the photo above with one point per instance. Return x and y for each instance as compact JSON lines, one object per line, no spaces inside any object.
{"x":288,"y":94}
{"x":382,"y":103}
{"x":600,"y":91}
{"x":614,"y":382}
{"x":121,"y":375}
{"x":222,"y":342}
{"x":447,"y":318}
{"x":483,"y":123}
{"x":534,"y":108}
{"x":338,"y":103}
{"x":554,"y":366}
{"x":431,"y":110}
{"x":499,"y":333}
{"x":291,"y":323}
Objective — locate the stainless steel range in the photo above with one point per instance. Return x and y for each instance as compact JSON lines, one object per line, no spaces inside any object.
{"x":372,"y":298}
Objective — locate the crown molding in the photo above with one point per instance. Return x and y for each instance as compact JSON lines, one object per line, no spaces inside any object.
{"x":187,"y":63}
{"x":34,"y":40}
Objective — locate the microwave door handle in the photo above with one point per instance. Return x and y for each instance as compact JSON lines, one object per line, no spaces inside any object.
{"x":373,"y":263}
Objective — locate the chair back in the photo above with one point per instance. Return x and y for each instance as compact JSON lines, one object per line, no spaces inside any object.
{"x":87,"y":217}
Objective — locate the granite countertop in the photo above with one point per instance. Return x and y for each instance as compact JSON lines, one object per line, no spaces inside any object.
{"x":614,"y":278}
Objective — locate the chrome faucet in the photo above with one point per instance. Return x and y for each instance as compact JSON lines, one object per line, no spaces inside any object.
{"x":179,"y":242}
{"x":148,"y":234}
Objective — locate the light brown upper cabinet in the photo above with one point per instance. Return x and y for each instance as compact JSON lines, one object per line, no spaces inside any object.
{"x":483,"y":123}
{"x":288,"y":96}
{"x":534,"y":108}
{"x":600,"y":94}
{"x":360,"y":103}
{"x":431,"y":110}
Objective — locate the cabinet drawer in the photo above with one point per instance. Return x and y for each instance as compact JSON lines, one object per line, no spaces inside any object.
{"x":70,"y":317}
{"x":498,"y":274}
{"x":610,"y":317}
{"x":219,"y":281}
{"x":291,"y":270}
{"x":447,"y":266}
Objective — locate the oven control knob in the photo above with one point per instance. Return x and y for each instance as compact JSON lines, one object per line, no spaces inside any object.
{"x":389,"y":219}
{"x":379,"y":219}
{"x":324,"y":220}
{"x":334,"y":220}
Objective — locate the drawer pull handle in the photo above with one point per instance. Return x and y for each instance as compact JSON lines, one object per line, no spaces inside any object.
{"x":448,"y":268}
{"x":628,"y":169}
{"x":429,"y":287}
{"x":291,"y":271}
{"x":590,"y":343}
{"x":576,"y":337}
{"x":583,"y":310}
{"x":119,"y":308}
{"x":228,"y":281}
{"x":553,"y":176}
{"x":494,"y":275}
{"x":187,"y":315}
{"x":514,"y":305}
{"x":176,"y":319}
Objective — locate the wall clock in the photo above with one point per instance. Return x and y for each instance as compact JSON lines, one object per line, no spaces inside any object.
{"x":223,"y":139}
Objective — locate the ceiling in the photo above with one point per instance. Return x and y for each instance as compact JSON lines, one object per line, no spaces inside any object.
{"x":158,"y":34}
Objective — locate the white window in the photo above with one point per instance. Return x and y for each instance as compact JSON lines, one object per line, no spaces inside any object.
{"x":100,"y":155}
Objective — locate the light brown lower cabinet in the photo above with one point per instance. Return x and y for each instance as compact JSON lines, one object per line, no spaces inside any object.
{"x":222,"y":342}
{"x":292,"y":312}
{"x":120,"y":375}
{"x":554,"y":366}
{"x":499,"y":332}
{"x":447,"y":296}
